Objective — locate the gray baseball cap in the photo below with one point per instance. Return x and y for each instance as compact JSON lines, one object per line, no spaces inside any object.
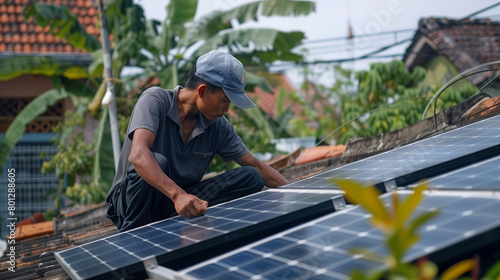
{"x":223,"y":70}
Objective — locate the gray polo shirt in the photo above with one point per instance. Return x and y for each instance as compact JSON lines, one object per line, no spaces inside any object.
{"x":157,"y":111}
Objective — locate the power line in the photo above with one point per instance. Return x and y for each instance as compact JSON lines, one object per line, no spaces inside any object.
{"x":480,"y":11}
{"x":359,"y":36}
{"x":379,"y":50}
{"x":340,"y":60}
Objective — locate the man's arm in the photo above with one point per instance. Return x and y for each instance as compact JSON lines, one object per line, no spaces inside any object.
{"x":271,"y":177}
{"x":147,"y":167}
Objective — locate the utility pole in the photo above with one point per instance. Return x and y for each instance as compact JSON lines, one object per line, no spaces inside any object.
{"x":109,"y":98}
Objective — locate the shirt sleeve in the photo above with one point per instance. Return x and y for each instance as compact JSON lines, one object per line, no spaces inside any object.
{"x":231,"y":146}
{"x":147,"y":113}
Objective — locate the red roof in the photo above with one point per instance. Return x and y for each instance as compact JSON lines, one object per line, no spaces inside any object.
{"x":267,"y":101}
{"x":21,"y":36}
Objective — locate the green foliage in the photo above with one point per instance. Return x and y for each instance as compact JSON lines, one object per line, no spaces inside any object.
{"x":319,"y":109}
{"x":254,"y":126}
{"x":387,"y":95}
{"x":385,"y":98}
{"x":62,"y":23}
{"x":400,"y":222}
{"x":80,"y":161}
{"x":27,"y":115}
{"x":219,"y":165}
{"x":451,"y":97}
{"x":159,"y":48}
{"x":13,"y":66}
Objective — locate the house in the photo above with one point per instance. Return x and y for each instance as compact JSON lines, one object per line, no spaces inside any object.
{"x":446,"y":47}
{"x":23,"y":43}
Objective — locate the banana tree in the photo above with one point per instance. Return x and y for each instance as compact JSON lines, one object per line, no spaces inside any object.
{"x":173,"y":45}
{"x":166,"y":49}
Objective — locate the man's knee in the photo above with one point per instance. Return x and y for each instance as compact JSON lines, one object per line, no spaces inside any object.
{"x":252,"y":177}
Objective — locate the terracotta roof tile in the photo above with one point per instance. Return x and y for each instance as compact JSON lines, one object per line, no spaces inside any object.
{"x":21,"y":36}
{"x":320,"y":152}
{"x":485,"y":108}
{"x":4,"y":18}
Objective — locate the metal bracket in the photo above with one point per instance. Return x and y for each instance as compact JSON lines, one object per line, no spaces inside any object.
{"x":390,"y":185}
{"x":338,"y":202}
{"x":158,"y":272}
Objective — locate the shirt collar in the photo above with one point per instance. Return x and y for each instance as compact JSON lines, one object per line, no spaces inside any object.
{"x":173,"y":112}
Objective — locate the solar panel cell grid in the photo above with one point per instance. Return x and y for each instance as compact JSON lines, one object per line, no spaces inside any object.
{"x":320,"y":249}
{"x":421,"y":159}
{"x":484,"y":175}
{"x":126,"y":251}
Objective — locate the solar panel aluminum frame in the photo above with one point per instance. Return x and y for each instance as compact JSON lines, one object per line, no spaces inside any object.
{"x":486,"y":171}
{"x":205,"y":249}
{"x":444,"y":167}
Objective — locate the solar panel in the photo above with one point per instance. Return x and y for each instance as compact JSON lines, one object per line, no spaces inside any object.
{"x":484,"y":175}
{"x":178,"y":242}
{"x":421,"y":159}
{"x":318,"y":249}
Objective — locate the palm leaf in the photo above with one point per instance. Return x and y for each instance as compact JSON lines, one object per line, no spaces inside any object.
{"x":254,"y":80}
{"x":103,"y":165}
{"x":13,"y":66}
{"x":287,"y":8}
{"x":258,"y":38}
{"x":181,"y":12}
{"x":211,"y":24}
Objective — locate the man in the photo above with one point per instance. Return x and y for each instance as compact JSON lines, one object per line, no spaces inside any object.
{"x":171,"y":139}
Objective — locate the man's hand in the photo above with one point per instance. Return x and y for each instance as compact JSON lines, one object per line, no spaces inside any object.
{"x":188,"y":205}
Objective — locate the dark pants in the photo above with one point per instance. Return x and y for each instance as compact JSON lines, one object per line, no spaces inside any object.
{"x":138,"y":203}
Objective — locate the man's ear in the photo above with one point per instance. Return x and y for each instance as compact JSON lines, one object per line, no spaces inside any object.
{"x":201,"y":90}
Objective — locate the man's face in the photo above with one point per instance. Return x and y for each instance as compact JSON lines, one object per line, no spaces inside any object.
{"x":213,"y":105}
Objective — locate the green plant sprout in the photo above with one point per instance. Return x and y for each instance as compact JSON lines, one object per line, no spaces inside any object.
{"x":400,"y":225}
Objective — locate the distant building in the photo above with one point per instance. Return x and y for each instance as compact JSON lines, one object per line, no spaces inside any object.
{"x":447,"y":47}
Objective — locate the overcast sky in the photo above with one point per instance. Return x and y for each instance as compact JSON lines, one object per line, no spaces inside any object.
{"x":330,"y":21}
{"x":331,"y":16}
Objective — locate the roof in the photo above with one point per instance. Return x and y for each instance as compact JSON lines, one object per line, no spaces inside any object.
{"x":20,"y":36}
{"x":466,"y":43}
{"x":35,"y":255}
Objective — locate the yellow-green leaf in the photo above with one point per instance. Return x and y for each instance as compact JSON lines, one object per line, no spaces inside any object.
{"x":409,"y":205}
{"x":367,"y":197}
{"x":422,"y":219}
{"x":369,"y":255}
{"x":428,"y":270}
{"x":353,"y":191}
{"x":458,"y":269}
